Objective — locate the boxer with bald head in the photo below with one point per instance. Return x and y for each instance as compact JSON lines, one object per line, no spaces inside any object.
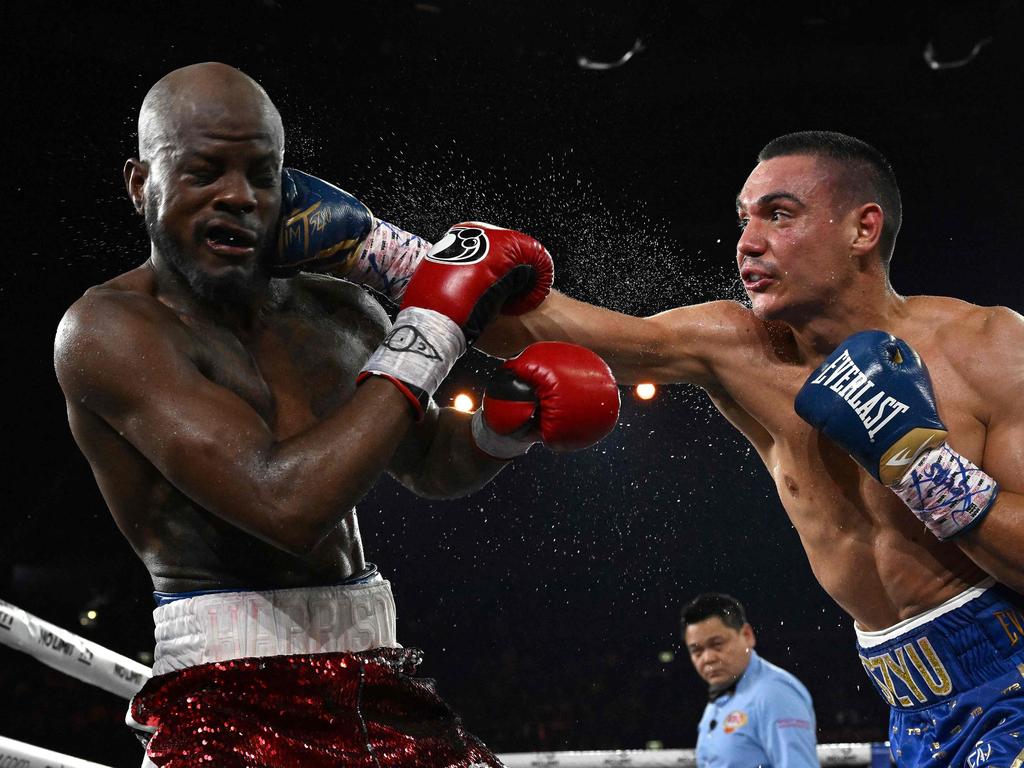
{"x":233,"y":419}
{"x":824,"y":373}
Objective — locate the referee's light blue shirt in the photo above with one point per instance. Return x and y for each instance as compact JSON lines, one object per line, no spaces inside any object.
{"x":766,"y":721}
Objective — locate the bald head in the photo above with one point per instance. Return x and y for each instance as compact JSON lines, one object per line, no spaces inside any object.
{"x":213,"y":95}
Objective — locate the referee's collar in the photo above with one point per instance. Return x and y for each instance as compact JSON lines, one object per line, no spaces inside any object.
{"x":748,"y":674}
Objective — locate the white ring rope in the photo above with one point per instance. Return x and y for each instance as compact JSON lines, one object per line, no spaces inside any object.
{"x":68,"y":653}
{"x":92,"y":663}
{"x":18,"y":754}
{"x":828,"y":754}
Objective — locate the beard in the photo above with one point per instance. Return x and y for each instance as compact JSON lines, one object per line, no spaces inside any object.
{"x":234,"y":286}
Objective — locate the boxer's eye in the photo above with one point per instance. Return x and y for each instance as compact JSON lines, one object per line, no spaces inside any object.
{"x":266,"y":179}
{"x":200,"y":178}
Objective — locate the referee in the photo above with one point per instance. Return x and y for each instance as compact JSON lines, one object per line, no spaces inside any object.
{"x":757,"y":714}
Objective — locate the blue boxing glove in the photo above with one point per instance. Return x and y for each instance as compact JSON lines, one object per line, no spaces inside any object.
{"x":325,"y":229}
{"x":320,"y":227}
{"x":873,"y":397}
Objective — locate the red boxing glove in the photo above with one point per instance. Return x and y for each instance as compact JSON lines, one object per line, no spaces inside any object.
{"x":472,"y":273}
{"x":477,"y":269}
{"x":560,"y":394}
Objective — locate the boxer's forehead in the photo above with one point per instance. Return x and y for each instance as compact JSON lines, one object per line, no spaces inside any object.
{"x":221,"y":120}
{"x":805,"y":178}
{"x":208,"y":129}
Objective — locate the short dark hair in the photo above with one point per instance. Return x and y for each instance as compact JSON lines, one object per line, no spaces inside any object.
{"x":710,"y":604}
{"x":868,"y":176}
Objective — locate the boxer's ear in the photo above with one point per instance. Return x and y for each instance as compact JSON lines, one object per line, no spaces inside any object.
{"x":868,"y":219}
{"x":135,"y":173}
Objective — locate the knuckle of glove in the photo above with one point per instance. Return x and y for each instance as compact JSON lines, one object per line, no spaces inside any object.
{"x":319,"y":226}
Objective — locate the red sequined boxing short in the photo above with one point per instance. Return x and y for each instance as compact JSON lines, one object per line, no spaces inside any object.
{"x":312,"y":711}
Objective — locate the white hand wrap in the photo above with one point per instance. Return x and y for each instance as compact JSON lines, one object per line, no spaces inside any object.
{"x":947,"y":492}
{"x":496,"y":445}
{"x":419,"y":352}
{"x":386,"y":259}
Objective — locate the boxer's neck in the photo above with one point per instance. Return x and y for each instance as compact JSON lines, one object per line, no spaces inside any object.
{"x":239,"y":309}
{"x":865,"y":304}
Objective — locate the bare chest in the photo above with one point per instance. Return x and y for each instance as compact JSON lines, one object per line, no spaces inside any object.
{"x":864,"y":546}
{"x":294,"y":372}
{"x":800,"y":457}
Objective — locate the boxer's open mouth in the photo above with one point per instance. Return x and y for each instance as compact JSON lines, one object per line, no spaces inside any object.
{"x":230,"y":240}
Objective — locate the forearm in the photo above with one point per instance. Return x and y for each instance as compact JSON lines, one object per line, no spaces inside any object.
{"x":303,"y":485}
{"x":635,"y":348}
{"x":997,"y":543}
{"x":558,"y":318}
{"x":509,"y":335}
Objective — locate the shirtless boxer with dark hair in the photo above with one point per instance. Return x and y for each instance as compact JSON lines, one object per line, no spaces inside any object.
{"x":233,"y":419}
{"x":828,"y":363}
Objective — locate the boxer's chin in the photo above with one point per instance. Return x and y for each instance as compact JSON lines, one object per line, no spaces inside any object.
{"x":232,"y":285}
{"x":761,"y":307}
{"x":218,"y":283}
{"x":770,"y":308}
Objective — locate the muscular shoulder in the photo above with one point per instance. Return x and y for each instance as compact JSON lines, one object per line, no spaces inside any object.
{"x":708,"y":344}
{"x":958,"y":320}
{"x":732,"y":332}
{"x":105,"y":312}
{"x":985,"y":344}
{"x":341,"y":300}
{"x":999,"y":375}
{"x":107,"y":327}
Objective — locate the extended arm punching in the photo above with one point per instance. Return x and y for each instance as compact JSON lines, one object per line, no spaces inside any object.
{"x":324,"y":229}
{"x":670,"y":347}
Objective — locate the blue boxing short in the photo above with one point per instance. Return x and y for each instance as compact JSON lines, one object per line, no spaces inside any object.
{"x":954,"y":679}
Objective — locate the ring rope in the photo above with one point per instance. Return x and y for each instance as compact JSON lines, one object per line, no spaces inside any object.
{"x":68,"y":653}
{"x":18,"y":754}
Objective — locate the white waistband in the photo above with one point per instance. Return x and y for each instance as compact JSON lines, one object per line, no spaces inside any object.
{"x":236,"y":625}
{"x":867,"y":639}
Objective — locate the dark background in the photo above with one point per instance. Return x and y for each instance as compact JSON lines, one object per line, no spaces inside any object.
{"x":543,"y":602}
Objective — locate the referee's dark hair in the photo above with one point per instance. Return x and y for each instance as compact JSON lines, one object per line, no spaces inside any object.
{"x":709,"y":604}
